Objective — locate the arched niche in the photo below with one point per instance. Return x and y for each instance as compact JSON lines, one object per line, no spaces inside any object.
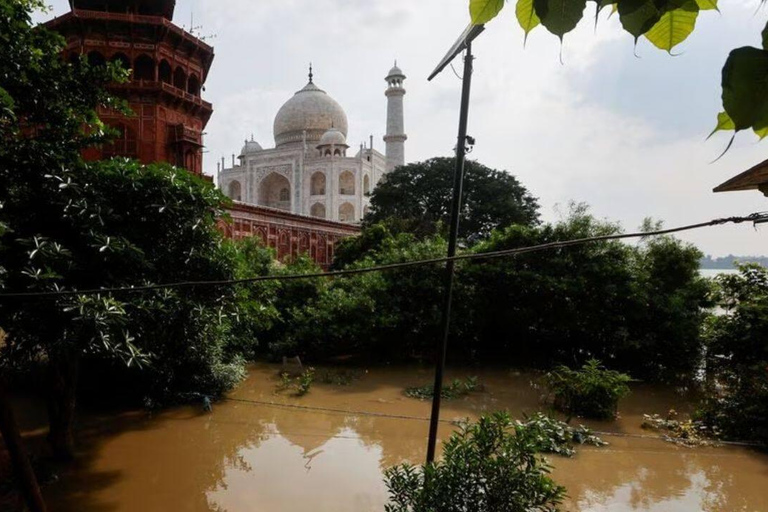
{"x":347,"y":183}
{"x":235,"y":191}
{"x":275,"y":192}
{"x":193,"y":87}
{"x":317,"y":184}
{"x":144,"y":68}
{"x":122,"y":59}
{"x":165,"y":72}
{"x":318,"y":210}
{"x":347,"y":213}
{"x":366,"y":185}
{"x":180,"y":79}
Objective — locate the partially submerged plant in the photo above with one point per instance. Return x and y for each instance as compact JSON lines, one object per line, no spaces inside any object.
{"x":487,"y":466}
{"x":338,"y":377}
{"x":550,"y":435}
{"x":455,"y":389}
{"x":300,"y":384}
{"x":688,"y":432}
{"x":591,"y":392}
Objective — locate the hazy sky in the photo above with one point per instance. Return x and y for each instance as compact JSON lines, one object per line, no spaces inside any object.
{"x":619,"y":128}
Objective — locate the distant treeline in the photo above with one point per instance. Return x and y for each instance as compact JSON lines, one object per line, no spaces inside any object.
{"x":731,"y":260}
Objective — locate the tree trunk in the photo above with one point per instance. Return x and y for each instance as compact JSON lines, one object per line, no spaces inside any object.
{"x":19,"y":459}
{"x":62,"y":385}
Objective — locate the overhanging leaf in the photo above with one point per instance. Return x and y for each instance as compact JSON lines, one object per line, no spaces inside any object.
{"x":483,"y":11}
{"x":707,"y":5}
{"x":745,"y":88}
{"x":675,"y":26}
{"x":765,"y":37}
{"x":638,"y":16}
{"x":724,"y":123}
{"x":560,"y":16}
{"x":526,"y":16}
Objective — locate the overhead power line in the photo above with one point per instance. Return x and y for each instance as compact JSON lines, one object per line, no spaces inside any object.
{"x":755,"y":218}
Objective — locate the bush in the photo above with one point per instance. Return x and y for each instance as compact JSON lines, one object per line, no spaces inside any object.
{"x":592,"y":392}
{"x":455,"y":389}
{"x":637,"y":308}
{"x":736,"y":391}
{"x":487,"y":466}
{"x":390,"y":315}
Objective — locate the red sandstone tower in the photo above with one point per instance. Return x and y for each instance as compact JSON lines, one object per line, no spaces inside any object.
{"x":169,"y":67}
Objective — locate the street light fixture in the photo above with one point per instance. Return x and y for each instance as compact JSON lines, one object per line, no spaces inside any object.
{"x":464,"y":43}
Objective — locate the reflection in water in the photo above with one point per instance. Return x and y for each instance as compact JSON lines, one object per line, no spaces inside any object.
{"x":244,"y":456}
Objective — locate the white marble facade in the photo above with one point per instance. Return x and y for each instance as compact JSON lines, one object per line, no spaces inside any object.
{"x":309,"y":171}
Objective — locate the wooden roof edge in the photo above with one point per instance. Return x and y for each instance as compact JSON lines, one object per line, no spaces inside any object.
{"x":750,"y":179}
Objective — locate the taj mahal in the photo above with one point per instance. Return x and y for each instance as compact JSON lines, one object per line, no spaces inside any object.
{"x":309,"y":171}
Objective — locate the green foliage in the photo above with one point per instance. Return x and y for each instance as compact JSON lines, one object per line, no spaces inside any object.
{"x":416,"y":198}
{"x":362,"y":314}
{"x":526,"y":16}
{"x":486,"y":467}
{"x":300,"y":385}
{"x":666,"y":24}
{"x":736,"y":400}
{"x":549,"y":435}
{"x":638,"y":308}
{"x":591,"y":392}
{"x":455,"y":389}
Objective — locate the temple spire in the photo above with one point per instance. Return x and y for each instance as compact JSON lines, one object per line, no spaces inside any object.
{"x":311,"y":76}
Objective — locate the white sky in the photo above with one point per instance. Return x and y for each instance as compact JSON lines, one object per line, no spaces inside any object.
{"x":618,"y":128}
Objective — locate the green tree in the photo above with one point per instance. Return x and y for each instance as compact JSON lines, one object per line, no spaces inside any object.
{"x":68,"y":225}
{"x":636,"y":308}
{"x":416,"y":198}
{"x":665,"y":23}
{"x":737,"y":356}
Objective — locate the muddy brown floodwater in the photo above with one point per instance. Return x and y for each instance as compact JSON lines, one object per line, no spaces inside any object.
{"x":246,"y":456}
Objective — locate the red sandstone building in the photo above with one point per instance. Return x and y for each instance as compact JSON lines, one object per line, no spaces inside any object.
{"x":169,"y":69}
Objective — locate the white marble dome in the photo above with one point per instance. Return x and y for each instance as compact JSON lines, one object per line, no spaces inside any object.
{"x":251,"y":147}
{"x":333,"y":137}
{"x":310,"y":110}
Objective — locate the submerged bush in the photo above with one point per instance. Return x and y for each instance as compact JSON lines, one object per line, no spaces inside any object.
{"x":487,"y":466}
{"x":455,"y":389}
{"x":554,"y":436}
{"x":592,"y":392}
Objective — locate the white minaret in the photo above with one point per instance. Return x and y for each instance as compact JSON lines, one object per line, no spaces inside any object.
{"x":395,"y":137}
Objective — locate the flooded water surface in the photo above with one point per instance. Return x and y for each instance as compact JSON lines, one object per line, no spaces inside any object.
{"x":252,"y":452}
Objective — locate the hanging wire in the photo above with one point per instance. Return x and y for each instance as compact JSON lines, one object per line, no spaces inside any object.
{"x":755,"y":218}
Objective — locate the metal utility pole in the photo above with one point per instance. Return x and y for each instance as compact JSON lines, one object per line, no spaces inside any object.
{"x":463,"y":44}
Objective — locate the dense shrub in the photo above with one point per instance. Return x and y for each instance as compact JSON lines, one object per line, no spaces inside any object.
{"x":737,"y":357}
{"x":390,"y":314}
{"x":638,"y":308}
{"x":488,"y":466}
{"x":591,"y":392}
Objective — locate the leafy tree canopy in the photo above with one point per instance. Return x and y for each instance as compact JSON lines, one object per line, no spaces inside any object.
{"x":666,"y":24}
{"x":417,"y":198}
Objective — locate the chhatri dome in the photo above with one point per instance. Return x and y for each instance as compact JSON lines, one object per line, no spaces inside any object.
{"x":310,"y":110}
{"x":250,"y":147}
